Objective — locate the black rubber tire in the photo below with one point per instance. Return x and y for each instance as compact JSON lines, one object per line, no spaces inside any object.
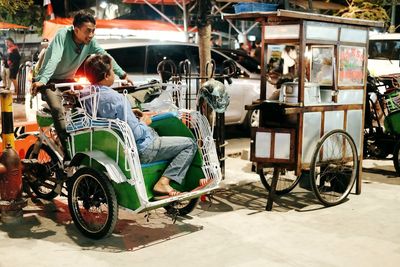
{"x":396,"y":157}
{"x":91,"y":189}
{"x":334,"y":183}
{"x":183,"y":208}
{"x":46,"y":178}
{"x":247,"y":123}
{"x":284,"y":186}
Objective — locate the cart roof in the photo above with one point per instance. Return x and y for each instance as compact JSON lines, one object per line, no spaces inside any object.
{"x":293,"y":15}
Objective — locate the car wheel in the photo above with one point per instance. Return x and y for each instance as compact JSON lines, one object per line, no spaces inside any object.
{"x":252,"y":120}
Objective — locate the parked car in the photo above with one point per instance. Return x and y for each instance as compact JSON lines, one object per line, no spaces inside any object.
{"x":140,"y":60}
{"x":251,"y":64}
{"x":384,"y":54}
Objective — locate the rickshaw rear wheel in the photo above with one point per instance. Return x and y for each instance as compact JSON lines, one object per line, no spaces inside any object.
{"x":287,"y":180}
{"x":92,"y":203}
{"x":45,"y":176}
{"x":396,"y":157}
{"x":334,"y":167}
{"x":182,"y":208}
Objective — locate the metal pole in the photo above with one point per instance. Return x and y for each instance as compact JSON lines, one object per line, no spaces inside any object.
{"x":66,"y":8}
{"x":271,"y":194}
{"x":392,"y":27}
{"x":7,"y":124}
{"x":310,"y":5}
{"x":286,"y":2}
{"x":185,"y":24}
{"x":220,"y":141}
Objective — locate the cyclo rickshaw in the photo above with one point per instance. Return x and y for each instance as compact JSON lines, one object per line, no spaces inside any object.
{"x":314,"y":130}
{"x":382,"y":119}
{"x":105,"y":171}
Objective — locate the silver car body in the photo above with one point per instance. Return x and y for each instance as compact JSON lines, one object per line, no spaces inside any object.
{"x":384,"y":52}
{"x":243,"y":90}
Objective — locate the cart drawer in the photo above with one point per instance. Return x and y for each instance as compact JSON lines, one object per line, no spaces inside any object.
{"x":272,"y":145}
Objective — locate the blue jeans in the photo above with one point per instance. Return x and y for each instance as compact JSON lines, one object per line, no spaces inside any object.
{"x":178,"y":148}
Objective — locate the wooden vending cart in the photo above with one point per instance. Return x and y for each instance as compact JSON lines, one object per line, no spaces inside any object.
{"x":312,"y":126}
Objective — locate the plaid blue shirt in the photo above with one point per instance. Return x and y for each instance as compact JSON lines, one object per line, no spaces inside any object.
{"x":112,"y":105}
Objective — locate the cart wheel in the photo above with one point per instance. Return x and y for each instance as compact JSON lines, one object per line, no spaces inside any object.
{"x":45,"y":176}
{"x":396,"y":157}
{"x":333,"y":167}
{"x":286,"y":182}
{"x":183,"y":207}
{"x":92,"y":203}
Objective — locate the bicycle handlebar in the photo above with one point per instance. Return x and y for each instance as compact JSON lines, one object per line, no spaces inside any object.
{"x":131,"y":89}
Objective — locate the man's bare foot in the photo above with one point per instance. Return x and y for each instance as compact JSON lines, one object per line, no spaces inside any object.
{"x":162,"y":187}
{"x":205,"y":181}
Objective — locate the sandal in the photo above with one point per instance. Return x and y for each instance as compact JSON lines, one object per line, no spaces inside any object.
{"x":203,"y":183}
{"x":163,"y":195}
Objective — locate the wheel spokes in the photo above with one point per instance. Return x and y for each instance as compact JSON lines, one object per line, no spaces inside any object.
{"x":91,"y":204}
{"x":335,"y":167}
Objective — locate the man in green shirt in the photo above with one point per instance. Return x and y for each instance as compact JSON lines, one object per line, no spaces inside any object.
{"x":68,"y":50}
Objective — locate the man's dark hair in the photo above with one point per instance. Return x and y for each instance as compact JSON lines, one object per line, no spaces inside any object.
{"x":10,"y":40}
{"x":97,"y":67}
{"x":83,"y":17}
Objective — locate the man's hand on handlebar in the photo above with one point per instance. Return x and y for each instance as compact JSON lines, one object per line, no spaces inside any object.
{"x":128,"y":81}
{"x":126,"y":78}
{"x":34,"y":88}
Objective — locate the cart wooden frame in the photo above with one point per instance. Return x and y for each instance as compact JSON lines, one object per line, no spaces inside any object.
{"x":304,"y":123}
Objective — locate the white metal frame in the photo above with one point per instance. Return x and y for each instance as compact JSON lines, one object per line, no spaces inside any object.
{"x":81,"y":122}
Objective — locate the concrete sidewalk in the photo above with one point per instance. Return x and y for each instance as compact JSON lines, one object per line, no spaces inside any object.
{"x":234,"y":231}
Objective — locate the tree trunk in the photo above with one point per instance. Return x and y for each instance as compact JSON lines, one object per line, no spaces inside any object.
{"x":204,"y":51}
{"x":204,"y":26}
{"x":204,"y":30}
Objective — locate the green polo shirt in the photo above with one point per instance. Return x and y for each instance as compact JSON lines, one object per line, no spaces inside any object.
{"x":63,"y":57}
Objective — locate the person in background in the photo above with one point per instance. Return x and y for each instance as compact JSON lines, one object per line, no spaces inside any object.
{"x":1,"y":66}
{"x":243,"y":48}
{"x":67,"y":51}
{"x":40,"y":57}
{"x":215,"y":42}
{"x":257,"y":51}
{"x":289,"y":56}
{"x":11,"y":60}
{"x":179,"y":150}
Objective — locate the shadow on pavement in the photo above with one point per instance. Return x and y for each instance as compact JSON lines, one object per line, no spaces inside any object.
{"x":51,"y":221}
{"x":254,"y":197}
{"x":386,"y":172}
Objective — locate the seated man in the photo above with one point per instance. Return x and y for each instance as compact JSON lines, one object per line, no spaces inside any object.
{"x":151,"y":147}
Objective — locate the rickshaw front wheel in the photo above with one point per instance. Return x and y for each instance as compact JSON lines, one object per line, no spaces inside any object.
{"x":46,"y":175}
{"x":396,"y":157}
{"x":334,"y":167}
{"x":182,"y":208}
{"x":92,"y":203}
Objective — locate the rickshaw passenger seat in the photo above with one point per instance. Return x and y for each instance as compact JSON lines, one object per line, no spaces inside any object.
{"x":165,"y":115}
{"x":151,"y":164}
{"x":80,"y":125}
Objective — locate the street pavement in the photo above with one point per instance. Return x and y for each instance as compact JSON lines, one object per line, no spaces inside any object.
{"x":232,"y":230}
